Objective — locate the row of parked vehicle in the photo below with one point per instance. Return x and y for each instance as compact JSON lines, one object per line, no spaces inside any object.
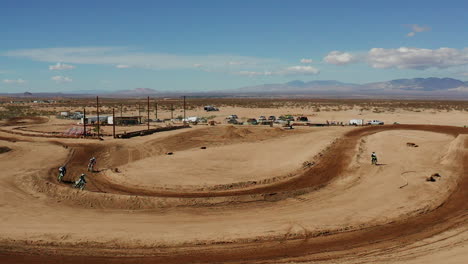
{"x":360,"y":122}
{"x":233,"y":119}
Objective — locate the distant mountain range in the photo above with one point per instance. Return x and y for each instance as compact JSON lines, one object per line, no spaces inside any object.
{"x":137,"y":91}
{"x":299,"y":87}
{"x":420,"y":84}
{"x":399,"y":85}
{"x":416,"y":87}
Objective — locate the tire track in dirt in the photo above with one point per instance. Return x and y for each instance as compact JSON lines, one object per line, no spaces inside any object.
{"x":333,"y":162}
{"x":452,"y":213}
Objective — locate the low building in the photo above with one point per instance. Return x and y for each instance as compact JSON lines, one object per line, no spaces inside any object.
{"x":124,"y":120}
{"x":356,"y":122}
{"x":94,"y":119}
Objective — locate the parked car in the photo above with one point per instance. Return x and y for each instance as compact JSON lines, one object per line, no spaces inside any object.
{"x":265,"y":122}
{"x":281,"y":121}
{"x":272,"y":118}
{"x":209,"y":108}
{"x":302,"y":119}
{"x":375,"y":122}
{"x":192,"y":119}
{"x":262,"y":118}
{"x":233,"y":121}
{"x":232,"y":117}
{"x":252,"y":121}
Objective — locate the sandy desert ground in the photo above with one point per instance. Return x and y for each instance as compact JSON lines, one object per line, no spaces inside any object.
{"x":256,"y":194}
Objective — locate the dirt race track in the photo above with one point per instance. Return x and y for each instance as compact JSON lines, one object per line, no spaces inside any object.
{"x":337,"y":209}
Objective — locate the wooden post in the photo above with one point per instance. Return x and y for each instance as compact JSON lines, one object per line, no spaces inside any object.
{"x":184,"y":112}
{"x":148,"y":110}
{"x":139,"y":114}
{"x":97,"y":110}
{"x":172,"y":111}
{"x":113,"y":122}
{"x":156,"y":109}
{"x":84,"y":122}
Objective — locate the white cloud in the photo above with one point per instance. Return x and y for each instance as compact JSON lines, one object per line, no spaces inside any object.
{"x":255,"y":73}
{"x":306,"y":60}
{"x":416,"y":29}
{"x":123,"y":56}
{"x":198,"y":65}
{"x":404,"y":58}
{"x":122,"y":66}
{"x":61,"y":79}
{"x":415,"y":58}
{"x":299,"y":70}
{"x":339,"y":58}
{"x":17,"y":81}
{"x":61,"y":66}
{"x":293,"y":70}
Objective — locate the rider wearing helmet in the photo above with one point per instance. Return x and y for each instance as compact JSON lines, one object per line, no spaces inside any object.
{"x":81,"y":182}
{"x":374,"y":158}
{"x":62,"y":172}
{"x":91,"y":164}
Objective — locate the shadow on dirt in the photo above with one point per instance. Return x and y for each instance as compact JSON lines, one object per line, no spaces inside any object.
{"x":67,"y":182}
{"x":4,"y":149}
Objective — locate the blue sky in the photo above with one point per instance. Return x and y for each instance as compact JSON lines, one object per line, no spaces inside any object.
{"x":213,"y":45}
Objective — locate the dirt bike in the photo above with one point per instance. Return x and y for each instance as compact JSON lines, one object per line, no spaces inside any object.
{"x":91,"y":167}
{"x":60,"y":176}
{"x":79,"y":185}
{"x":374,"y":160}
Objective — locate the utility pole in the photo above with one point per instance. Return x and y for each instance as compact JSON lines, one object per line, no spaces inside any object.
{"x":139,"y":113}
{"x":98,"y":120}
{"x":113,"y":122}
{"x":84,"y":122}
{"x":172,"y":111}
{"x":148,"y":110}
{"x":184,"y":111}
{"x":156,"y":109}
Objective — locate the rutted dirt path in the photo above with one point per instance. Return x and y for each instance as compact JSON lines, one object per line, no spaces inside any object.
{"x":301,"y":245}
